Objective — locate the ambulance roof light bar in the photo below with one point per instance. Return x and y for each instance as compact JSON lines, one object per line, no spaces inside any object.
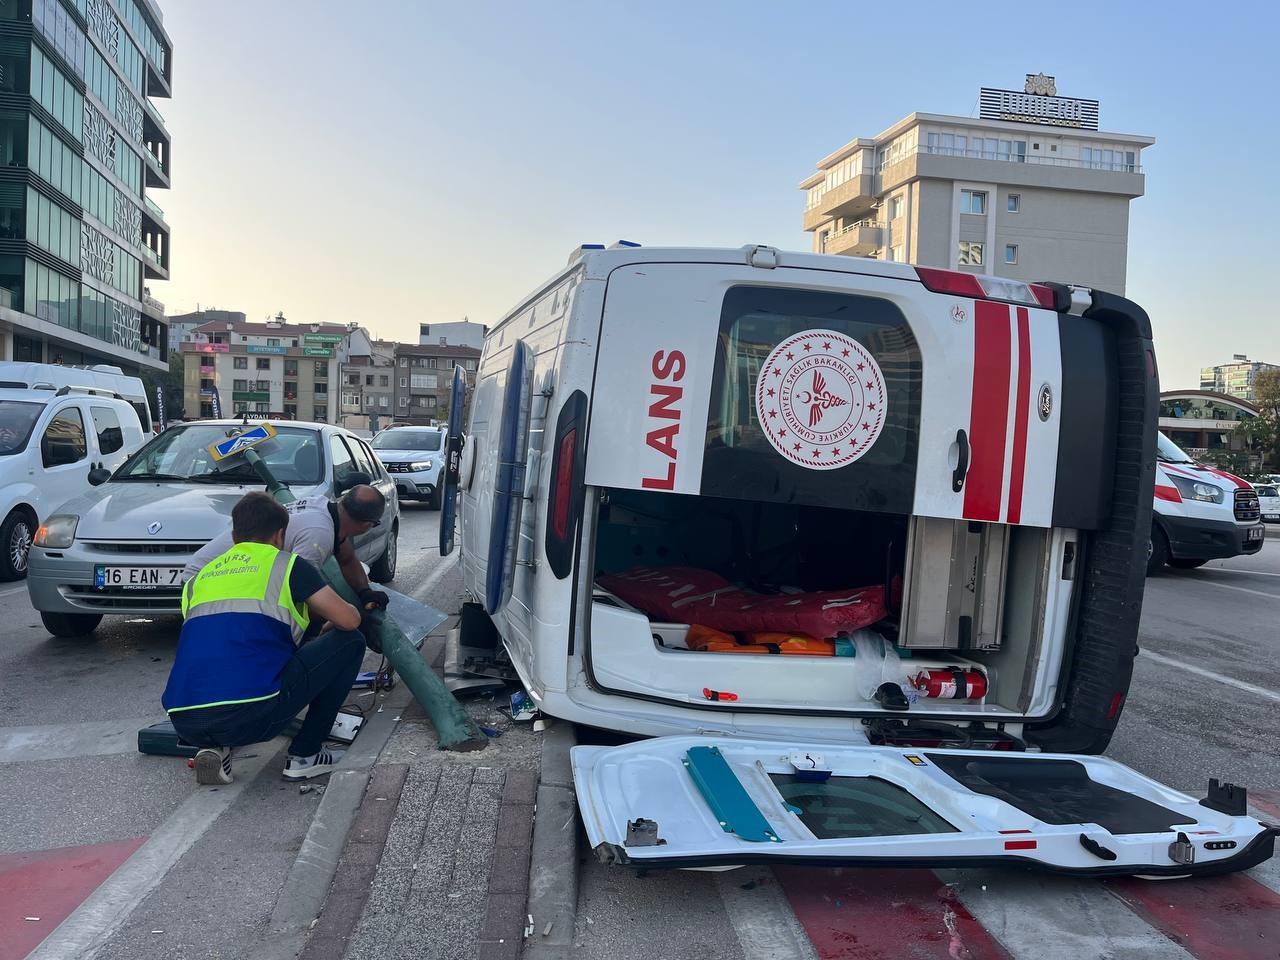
{"x":985,"y":287}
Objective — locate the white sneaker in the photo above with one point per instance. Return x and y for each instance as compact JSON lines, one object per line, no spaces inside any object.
{"x":213,"y":766}
{"x":302,"y":768}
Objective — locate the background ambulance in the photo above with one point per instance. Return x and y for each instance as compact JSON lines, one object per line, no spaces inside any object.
{"x":1201,"y":513}
{"x":781,"y":494}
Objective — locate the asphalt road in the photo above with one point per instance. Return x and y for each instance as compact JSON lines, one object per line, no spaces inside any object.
{"x":70,"y":774}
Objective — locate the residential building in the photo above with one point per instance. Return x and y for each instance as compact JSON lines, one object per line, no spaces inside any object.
{"x":285,"y":370}
{"x":1030,"y":190}
{"x":459,"y":333}
{"x":183,"y":325}
{"x":1236,"y":378}
{"x":82,"y":148}
{"x":368,"y":391}
{"x":423,"y":376}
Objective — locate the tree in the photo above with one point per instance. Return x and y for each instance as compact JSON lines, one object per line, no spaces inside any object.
{"x":1263,"y":431}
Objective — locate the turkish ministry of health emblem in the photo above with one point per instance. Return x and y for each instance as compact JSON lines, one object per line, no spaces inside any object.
{"x":820,"y":398}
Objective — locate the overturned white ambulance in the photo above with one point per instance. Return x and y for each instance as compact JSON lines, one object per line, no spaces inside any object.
{"x":846,"y":512}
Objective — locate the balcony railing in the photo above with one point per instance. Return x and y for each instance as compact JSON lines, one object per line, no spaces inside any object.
{"x":849,"y":227}
{"x":154,"y":207}
{"x":152,"y":256}
{"x":1011,"y":157}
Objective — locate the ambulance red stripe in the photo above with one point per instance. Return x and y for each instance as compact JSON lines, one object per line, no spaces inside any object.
{"x":1021,"y":411}
{"x":989,"y":410}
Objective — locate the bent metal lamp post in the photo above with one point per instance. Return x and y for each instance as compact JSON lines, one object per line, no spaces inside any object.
{"x":454,"y":728}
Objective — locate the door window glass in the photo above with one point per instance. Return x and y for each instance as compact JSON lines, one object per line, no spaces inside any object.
{"x":64,"y":439}
{"x":17,"y":420}
{"x":843,"y":807}
{"x":363,"y":460}
{"x":343,"y":464}
{"x":107,"y":426}
{"x":741,"y":461}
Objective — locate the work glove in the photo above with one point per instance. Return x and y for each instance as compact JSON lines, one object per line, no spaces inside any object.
{"x":377,"y":597}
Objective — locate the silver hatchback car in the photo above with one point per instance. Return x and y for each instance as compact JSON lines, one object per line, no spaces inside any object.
{"x":120,"y":547}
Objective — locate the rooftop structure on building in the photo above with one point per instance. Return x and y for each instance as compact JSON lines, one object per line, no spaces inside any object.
{"x":1030,"y":190}
{"x":459,"y":333}
{"x":83,"y":147}
{"x":1235,"y":379}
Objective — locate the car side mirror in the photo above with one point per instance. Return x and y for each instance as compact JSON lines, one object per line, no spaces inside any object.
{"x":99,"y":475}
{"x":353,"y":479}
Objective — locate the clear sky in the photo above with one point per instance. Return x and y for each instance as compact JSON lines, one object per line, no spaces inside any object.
{"x":399,"y":161}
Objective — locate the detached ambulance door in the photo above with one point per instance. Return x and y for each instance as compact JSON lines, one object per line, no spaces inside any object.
{"x":694,"y":802}
{"x":783,"y":385}
{"x":993,"y":403}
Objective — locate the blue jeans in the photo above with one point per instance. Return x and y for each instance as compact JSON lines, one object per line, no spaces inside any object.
{"x":318,"y":677}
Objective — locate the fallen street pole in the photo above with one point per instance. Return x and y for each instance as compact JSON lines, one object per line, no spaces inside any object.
{"x":455,"y":730}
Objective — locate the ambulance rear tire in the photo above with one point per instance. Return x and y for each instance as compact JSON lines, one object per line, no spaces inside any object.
{"x":1157,"y":551}
{"x":1186,"y":564}
{"x":70,"y":625}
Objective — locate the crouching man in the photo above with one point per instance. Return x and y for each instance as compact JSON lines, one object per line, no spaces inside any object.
{"x":239,"y":676}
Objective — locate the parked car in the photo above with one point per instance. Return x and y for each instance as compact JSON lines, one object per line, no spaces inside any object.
{"x":57,"y":424}
{"x":120,"y":547}
{"x":1268,"y":501}
{"x":414,"y":456}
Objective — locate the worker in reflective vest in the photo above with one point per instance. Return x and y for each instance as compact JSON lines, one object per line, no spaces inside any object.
{"x":240,"y":676}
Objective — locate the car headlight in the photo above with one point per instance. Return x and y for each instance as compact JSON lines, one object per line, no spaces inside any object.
{"x":57,"y":532}
{"x":421,"y":465}
{"x":1195,"y":490}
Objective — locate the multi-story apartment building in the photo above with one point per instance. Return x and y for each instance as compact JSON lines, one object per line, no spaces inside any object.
{"x":1235,"y":379}
{"x":368,"y":393}
{"x":422,"y":377}
{"x":286,"y":370}
{"x":1030,"y":190}
{"x":183,"y":325}
{"x":81,"y":149}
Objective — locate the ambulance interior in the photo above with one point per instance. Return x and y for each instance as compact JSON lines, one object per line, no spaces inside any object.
{"x":797,"y":608}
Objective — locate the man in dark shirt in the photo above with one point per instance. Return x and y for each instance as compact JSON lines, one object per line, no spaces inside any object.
{"x":239,"y":676}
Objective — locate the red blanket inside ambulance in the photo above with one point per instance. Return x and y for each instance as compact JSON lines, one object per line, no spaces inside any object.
{"x":690,"y":595}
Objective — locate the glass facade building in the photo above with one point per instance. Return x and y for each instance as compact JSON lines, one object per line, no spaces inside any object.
{"x":81,"y":150}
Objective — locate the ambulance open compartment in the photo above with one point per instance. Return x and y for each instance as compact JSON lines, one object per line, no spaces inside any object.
{"x":804,"y":434}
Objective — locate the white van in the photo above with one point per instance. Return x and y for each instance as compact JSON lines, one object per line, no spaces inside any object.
{"x":61,"y":429}
{"x":942,"y":478}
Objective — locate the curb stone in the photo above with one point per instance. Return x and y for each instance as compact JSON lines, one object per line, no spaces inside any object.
{"x":553,"y":870}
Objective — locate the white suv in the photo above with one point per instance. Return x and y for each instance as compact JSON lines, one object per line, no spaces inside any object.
{"x":53,"y":445}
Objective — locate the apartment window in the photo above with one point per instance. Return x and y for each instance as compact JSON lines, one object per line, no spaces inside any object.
{"x":261,"y":407}
{"x":404,"y":361}
{"x":384,"y":381}
{"x":404,"y":381}
{"x":353,"y":379}
{"x":319,"y":414}
{"x":273,"y":341}
{"x":291,"y":368}
{"x":469,"y":365}
{"x":264,"y":363}
{"x":240,"y":363}
{"x":368,"y":380}
{"x":1014,"y":203}
{"x":423,"y":381}
{"x":426,"y":402}
{"x":897,"y":254}
{"x":895,"y":208}
{"x":404,"y":401}
{"x":243,"y":338}
{"x":291,"y":390}
{"x":970,"y":253}
{"x":322,"y":370}
{"x":241,"y":385}
{"x":382,"y":400}
{"x":1010,"y":253}
{"x":431,"y":363}
{"x":261,"y":385}
{"x":973,"y":201}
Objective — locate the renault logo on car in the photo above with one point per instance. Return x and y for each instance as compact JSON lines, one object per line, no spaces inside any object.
{"x":154,"y":527}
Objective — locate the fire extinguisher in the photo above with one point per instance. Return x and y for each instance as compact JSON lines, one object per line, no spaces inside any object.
{"x":951,"y":683}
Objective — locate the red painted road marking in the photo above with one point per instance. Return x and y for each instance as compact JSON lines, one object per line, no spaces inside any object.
{"x":989,"y":410}
{"x":1215,"y":918}
{"x":1266,"y":802}
{"x":874,"y":914}
{"x":49,"y":884}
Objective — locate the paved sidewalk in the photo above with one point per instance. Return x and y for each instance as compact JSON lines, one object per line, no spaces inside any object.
{"x":437,"y":862}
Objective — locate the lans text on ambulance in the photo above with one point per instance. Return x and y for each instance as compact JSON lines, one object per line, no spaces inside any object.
{"x":666,"y":365}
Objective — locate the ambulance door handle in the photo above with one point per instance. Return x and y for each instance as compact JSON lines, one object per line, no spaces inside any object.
{"x":962,"y":461}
